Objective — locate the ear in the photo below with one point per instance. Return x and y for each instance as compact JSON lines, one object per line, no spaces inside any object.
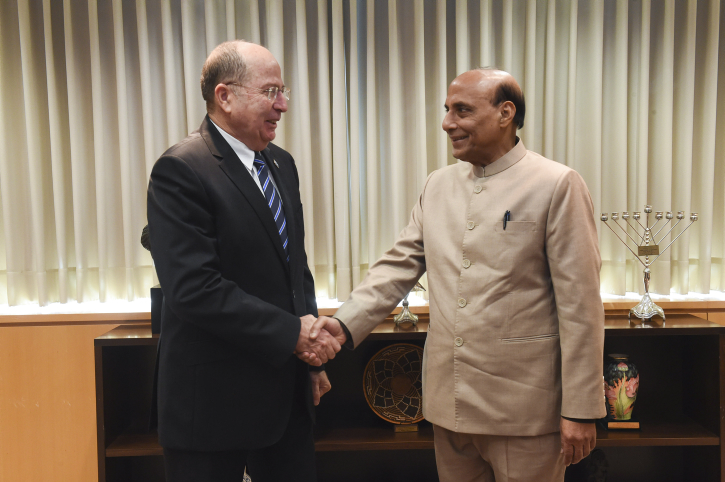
{"x":507,"y":112}
{"x":222,"y":95}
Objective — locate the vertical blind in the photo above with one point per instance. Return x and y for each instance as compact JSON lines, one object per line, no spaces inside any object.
{"x":93,"y":91}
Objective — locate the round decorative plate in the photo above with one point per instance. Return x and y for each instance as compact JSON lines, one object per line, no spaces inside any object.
{"x":392,"y":383}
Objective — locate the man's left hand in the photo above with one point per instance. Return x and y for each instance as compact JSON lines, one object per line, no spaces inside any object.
{"x":320,"y":385}
{"x":577,"y":440}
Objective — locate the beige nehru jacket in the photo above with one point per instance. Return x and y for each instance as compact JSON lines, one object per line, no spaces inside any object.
{"x":516,"y":320}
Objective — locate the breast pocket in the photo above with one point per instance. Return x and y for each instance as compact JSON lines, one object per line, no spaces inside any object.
{"x":511,"y":249}
{"x":513,"y":227}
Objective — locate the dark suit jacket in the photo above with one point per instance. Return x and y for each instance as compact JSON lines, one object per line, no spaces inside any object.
{"x":232,"y":303}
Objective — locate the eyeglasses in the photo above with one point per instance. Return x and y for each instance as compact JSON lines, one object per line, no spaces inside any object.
{"x":270,"y":93}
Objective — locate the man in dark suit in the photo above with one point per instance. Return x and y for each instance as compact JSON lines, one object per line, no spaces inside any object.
{"x":227,"y":238}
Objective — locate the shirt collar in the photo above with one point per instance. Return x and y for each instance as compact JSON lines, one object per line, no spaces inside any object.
{"x":245,"y":154}
{"x":502,"y":163}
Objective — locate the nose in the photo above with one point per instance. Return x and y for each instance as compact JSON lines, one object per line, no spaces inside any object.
{"x":448,"y":123}
{"x":280,"y":103}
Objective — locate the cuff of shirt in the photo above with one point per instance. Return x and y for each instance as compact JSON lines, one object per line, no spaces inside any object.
{"x":349,"y":343}
{"x":580,"y":420}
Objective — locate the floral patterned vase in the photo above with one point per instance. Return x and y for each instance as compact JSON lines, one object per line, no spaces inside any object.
{"x":621,"y":383}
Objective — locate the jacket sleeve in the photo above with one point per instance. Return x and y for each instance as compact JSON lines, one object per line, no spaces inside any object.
{"x":183,"y":244}
{"x":388,"y":280}
{"x":573,"y":254}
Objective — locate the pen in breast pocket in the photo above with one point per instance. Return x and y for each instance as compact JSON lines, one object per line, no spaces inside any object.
{"x":506,"y":218}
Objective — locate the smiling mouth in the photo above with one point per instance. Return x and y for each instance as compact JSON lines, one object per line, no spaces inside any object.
{"x":456,"y":139}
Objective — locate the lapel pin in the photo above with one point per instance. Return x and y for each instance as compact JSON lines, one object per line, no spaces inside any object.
{"x":275,"y":163}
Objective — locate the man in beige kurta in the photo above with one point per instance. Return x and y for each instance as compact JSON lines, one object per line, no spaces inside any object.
{"x":512,"y":371}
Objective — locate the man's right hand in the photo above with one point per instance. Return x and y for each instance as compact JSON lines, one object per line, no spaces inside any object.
{"x":323,"y":327}
{"x":331,"y":325}
{"x":317,"y":350}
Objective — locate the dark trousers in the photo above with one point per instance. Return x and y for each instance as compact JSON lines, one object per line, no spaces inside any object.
{"x":292,"y":458}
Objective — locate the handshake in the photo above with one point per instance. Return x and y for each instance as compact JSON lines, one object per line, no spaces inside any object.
{"x":320,"y":339}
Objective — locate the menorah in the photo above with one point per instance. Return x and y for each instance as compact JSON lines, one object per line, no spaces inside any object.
{"x":647,"y":245}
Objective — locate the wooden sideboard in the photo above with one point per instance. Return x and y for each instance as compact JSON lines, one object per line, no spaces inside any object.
{"x":681,"y":405}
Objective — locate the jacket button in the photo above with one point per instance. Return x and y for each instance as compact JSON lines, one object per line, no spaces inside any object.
{"x":459,"y":341}
{"x":293,"y":294}
{"x":470,"y":225}
{"x":466,"y":263}
{"x":461,"y":302}
{"x":478,"y":189}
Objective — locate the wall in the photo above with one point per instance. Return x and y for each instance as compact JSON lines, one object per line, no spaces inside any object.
{"x":47,"y":396}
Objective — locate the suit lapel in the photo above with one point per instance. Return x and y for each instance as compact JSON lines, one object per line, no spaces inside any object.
{"x":240,"y":177}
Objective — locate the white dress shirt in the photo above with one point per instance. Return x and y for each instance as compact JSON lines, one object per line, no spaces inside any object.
{"x":246,"y":155}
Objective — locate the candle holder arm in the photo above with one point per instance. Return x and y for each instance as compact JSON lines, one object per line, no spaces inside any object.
{"x":654,"y":236}
{"x":666,"y":247}
{"x":625,"y":243}
{"x":642,"y":226}
{"x":651,"y":228}
{"x":671,"y":229}
{"x":626,"y":232}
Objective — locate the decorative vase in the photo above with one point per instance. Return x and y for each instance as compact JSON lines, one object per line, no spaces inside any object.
{"x":621,"y":384}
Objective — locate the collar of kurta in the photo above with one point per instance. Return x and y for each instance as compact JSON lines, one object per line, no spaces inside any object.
{"x":502,"y":163}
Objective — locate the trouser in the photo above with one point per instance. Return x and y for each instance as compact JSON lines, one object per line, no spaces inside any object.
{"x":463,"y":457}
{"x":291,"y":458}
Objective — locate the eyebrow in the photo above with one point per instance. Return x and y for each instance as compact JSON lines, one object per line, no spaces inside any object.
{"x":458,"y":105}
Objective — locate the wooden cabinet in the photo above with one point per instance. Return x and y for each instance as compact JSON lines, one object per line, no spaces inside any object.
{"x":127,"y":450}
{"x":680,"y":401}
{"x":681,"y":406}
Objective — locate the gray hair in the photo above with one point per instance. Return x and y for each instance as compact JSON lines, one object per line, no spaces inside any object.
{"x":509,"y":90}
{"x":224,"y":64}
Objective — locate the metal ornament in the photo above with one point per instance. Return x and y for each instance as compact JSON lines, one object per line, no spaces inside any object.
{"x":647,"y":245}
{"x":393,"y":385}
{"x":406,"y":314}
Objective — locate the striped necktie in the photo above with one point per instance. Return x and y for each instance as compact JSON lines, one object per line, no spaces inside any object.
{"x":273,"y":201}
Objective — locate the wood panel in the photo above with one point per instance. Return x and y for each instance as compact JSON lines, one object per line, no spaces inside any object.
{"x":75,"y":319}
{"x":718,"y":318}
{"x":47,"y":403}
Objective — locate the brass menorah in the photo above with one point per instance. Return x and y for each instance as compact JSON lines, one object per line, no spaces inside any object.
{"x":647,"y":245}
